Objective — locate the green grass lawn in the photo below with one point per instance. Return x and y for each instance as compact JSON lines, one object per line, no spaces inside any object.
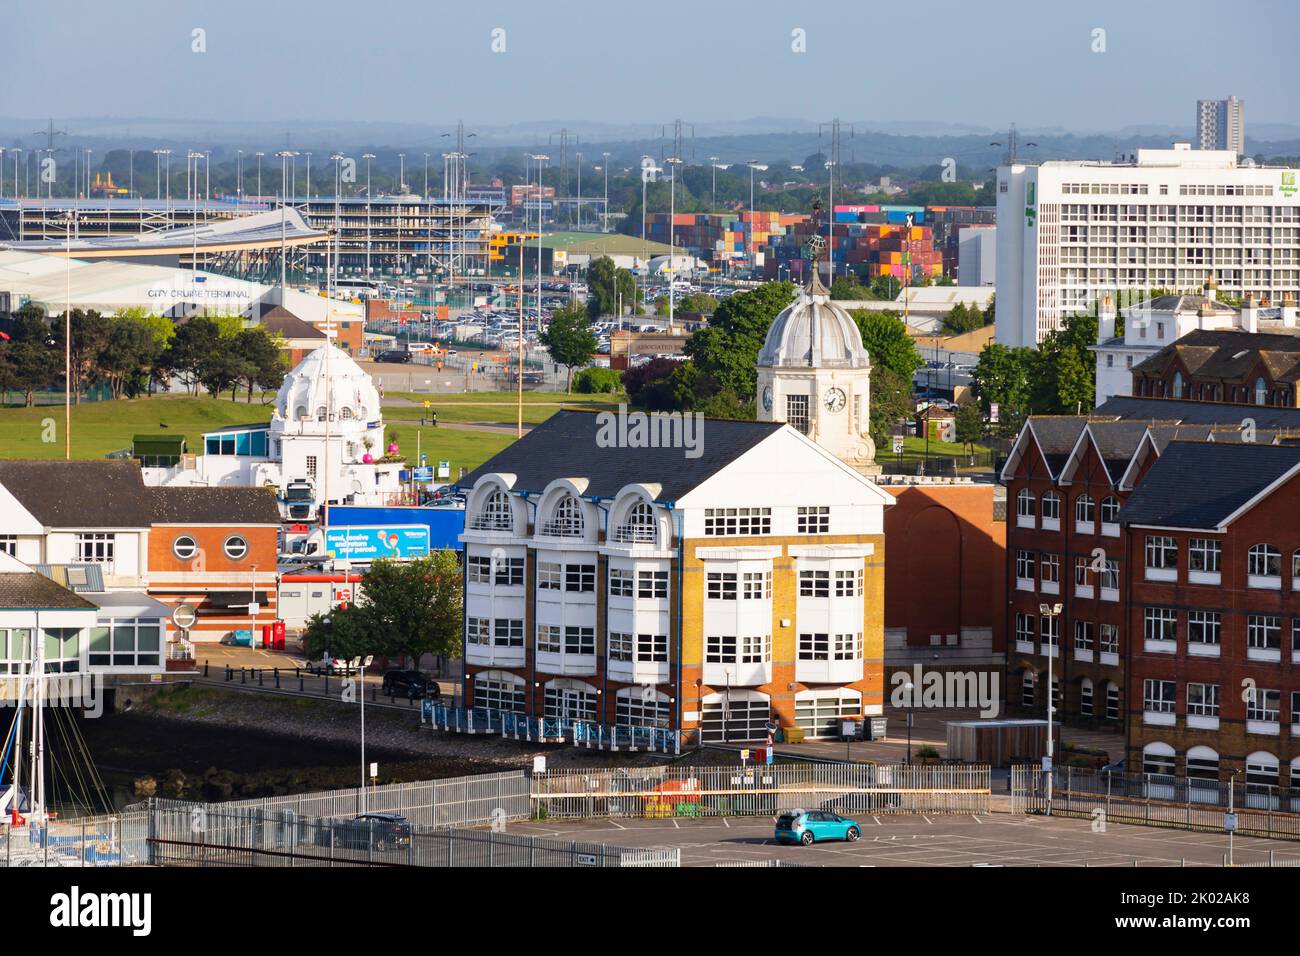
{"x":101,"y":427}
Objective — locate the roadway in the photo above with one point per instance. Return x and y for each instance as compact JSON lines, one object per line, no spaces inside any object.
{"x":993,"y":839}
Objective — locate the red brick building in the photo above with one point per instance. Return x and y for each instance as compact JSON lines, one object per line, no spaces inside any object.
{"x":1213,"y":552}
{"x":944,"y":581}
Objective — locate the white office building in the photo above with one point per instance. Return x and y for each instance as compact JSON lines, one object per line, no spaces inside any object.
{"x":1221,"y":124}
{"x":977,"y":255}
{"x":1070,"y":232}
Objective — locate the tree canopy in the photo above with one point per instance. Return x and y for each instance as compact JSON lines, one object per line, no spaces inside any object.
{"x":569,"y":338}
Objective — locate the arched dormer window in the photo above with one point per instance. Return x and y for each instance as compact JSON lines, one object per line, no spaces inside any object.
{"x":566,"y":519}
{"x":638,"y":525}
{"x":300,"y":412}
{"x":1178,"y":384}
{"x":345,"y":413}
{"x":495,"y":514}
{"x":1261,"y":391}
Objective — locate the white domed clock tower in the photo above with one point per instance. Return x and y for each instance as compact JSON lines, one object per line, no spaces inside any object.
{"x":814,"y":373}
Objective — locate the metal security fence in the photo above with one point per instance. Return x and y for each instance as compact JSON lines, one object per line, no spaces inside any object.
{"x":109,"y":840}
{"x":764,"y":790}
{"x":1156,"y":800}
{"x":201,"y":836}
{"x":456,"y":801}
{"x":579,"y":733}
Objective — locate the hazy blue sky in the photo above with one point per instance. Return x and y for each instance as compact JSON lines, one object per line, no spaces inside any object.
{"x":1028,"y":61}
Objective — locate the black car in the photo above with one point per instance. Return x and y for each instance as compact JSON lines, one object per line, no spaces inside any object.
{"x":398,"y":356}
{"x":411,"y":685}
{"x":368,"y":831}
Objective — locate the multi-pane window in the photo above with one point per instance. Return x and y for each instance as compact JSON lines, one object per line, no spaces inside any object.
{"x":639,"y":524}
{"x":755,"y":648}
{"x":720,"y":585}
{"x":9,"y":544}
{"x":1024,"y":503}
{"x":1203,"y":627}
{"x":1085,"y":698}
{"x":814,"y":583}
{"x":1025,"y":628}
{"x":720,"y":649}
{"x":848,"y":583}
{"x":1161,"y":624}
{"x":508,"y":632}
{"x":620,"y":646}
{"x":1204,"y":554}
{"x":847,"y":647}
{"x":1084,"y":509}
{"x":1109,"y":637}
{"x":579,"y":640}
{"x":1082,"y":571}
{"x":1051,"y":506}
{"x":1051,"y":629}
{"x":757,"y":585}
{"x":1203,"y":700}
{"x":1112,"y":701}
{"x":1264,"y":560}
{"x":1027,"y":689}
{"x":1083,"y":635}
{"x":1262,"y":704}
{"x":796,"y":412}
{"x":725,"y":522}
{"x":814,"y":647}
{"x":1264,"y":631}
{"x":1110,"y":575}
{"x":566,"y":519}
{"x":16,"y":650}
{"x":1025,"y":564}
{"x":652,"y":584}
{"x":1159,"y":695}
{"x":95,"y":547}
{"x":548,"y":639}
{"x":1109,"y":510}
{"x":580,"y":577}
{"x":1295,"y":564}
{"x":1162,"y":552}
{"x":495,"y":514}
{"x":478,"y":630}
{"x":620,"y":582}
{"x":498,"y":694}
{"x":550,"y":576}
{"x":814,"y":519}
{"x":482,"y":569}
{"x":1295,"y":634}
{"x":631,"y":710}
{"x":1051,"y":568}
{"x":652,"y":648}
{"x":124,"y":643}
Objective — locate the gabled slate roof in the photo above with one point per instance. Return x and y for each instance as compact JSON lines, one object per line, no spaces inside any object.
{"x":565,"y":446}
{"x":1229,"y":354}
{"x":203,"y":505}
{"x":1201,"y":484}
{"x":1115,"y":443}
{"x":79,"y":494}
{"x":1202,"y":413}
{"x":27,"y":589}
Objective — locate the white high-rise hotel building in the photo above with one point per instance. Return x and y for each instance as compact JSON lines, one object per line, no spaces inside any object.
{"x":1069,"y":232}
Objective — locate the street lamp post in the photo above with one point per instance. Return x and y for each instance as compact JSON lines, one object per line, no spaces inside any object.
{"x":673,"y":162}
{"x":1050,"y":612}
{"x":604,"y":212}
{"x":259,"y":173}
{"x":368,"y":157}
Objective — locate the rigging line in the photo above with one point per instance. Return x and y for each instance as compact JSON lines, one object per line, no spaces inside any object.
{"x":97,"y":781}
{"x":76,"y":794}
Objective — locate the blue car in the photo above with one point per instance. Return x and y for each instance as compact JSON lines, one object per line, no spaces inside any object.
{"x":810,"y":826}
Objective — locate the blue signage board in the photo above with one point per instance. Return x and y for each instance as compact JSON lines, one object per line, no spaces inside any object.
{"x":423,"y":473}
{"x":365,"y":543}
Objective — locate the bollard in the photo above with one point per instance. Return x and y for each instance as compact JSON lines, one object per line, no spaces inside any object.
{"x":243,"y":677}
{"x":228,"y":674}
{"x":276,"y":671}
{"x":300,"y":684}
{"x":205,"y":667}
{"x":259,"y":678}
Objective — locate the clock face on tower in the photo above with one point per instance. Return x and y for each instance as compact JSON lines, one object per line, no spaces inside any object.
{"x":767,"y":398}
{"x":834,"y":399}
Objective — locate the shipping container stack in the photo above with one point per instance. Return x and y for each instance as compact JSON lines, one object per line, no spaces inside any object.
{"x":948,"y":221}
{"x":869,"y":240}
{"x":720,"y":236}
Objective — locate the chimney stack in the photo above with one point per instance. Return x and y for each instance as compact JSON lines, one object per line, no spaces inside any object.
{"x":1250,"y":313}
{"x":1106,"y":319}
{"x":1288,"y":311}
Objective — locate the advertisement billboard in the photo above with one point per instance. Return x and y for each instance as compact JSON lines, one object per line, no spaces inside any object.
{"x":365,"y":543}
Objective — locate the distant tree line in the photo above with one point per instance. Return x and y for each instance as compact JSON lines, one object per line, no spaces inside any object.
{"x":131,"y":351}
